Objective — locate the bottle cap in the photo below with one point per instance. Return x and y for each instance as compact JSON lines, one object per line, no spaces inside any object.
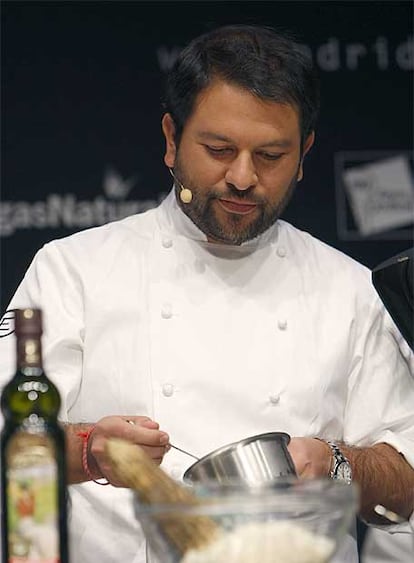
{"x":28,"y":322}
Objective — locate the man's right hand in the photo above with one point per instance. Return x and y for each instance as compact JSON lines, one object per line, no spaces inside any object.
{"x":140,"y":430}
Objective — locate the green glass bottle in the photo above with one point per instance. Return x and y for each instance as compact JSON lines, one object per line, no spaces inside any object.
{"x":33,"y":473}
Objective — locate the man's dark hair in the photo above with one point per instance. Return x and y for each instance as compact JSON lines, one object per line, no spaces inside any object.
{"x":268,"y":64}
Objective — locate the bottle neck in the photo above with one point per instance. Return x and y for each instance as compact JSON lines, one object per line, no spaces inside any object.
{"x":29,"y":354}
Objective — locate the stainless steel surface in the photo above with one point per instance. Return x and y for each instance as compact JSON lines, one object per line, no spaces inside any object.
{"x":254,"y":461}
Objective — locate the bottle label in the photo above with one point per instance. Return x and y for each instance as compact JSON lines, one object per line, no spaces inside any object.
{"x":32,"y":499}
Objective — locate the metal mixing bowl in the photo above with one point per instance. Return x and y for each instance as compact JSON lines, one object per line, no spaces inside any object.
{"x":253,"y":461}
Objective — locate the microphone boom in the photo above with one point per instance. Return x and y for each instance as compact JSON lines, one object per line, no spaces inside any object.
{"x":186,"y":195}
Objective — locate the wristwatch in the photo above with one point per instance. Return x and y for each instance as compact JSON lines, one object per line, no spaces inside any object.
{"x":341,"y":468}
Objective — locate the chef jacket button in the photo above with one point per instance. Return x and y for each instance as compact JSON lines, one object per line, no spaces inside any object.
{"x":166,"y":311}
{"x":274,"y":399}
{"x":168,"y":389}
{"x":281,"y":252}
{"x":282,"y":324}
{"x":167,"y":242}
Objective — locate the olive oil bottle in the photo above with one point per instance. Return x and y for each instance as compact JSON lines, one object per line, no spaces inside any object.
{"x":33,"y":478}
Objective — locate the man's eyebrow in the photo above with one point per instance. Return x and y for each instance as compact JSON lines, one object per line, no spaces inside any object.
{"x":210,"y":136}
{"x":282,"y":143}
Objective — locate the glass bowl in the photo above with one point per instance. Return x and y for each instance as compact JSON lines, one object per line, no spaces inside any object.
{"x":288,"y":521}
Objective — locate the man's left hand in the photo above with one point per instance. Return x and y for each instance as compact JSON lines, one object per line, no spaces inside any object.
{"x":312,"y":457}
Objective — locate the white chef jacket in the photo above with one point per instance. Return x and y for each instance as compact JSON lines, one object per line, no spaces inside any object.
{"x":381,"y":547}
{"x":144,"y":317}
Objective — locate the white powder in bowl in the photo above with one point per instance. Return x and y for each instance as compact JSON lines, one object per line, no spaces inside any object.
{"x":267,"y":542}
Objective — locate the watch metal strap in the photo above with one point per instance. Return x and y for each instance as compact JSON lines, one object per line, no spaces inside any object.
{"x":338,"y":458}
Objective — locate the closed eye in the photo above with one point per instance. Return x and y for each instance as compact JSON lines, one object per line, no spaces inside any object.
{"x":271,"y":155}
{"x":228,"y":151}
{"x":218,"y":151}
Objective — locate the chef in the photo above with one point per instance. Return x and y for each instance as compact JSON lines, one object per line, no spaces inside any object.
{"x":209,"y":319}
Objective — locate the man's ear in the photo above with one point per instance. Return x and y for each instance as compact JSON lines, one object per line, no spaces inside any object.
{"x":168,"y":128}
{"x":306,"y":148}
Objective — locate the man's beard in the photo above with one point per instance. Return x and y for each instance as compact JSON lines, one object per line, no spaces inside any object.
{"x":236,"y":230}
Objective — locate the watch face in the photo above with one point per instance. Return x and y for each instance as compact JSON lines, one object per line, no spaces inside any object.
{"x":344,"y":472}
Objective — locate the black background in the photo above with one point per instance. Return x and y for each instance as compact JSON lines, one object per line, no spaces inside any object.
{"x":82,"y":89}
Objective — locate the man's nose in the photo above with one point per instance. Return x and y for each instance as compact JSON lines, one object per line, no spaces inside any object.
{"x":241,"y":173}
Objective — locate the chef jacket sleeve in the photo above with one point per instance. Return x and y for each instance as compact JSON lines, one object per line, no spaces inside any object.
{"x":380,"y":404}
{"x":52,"y":283}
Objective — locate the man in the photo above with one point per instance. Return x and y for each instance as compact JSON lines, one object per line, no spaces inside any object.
{"x":208,"y":319}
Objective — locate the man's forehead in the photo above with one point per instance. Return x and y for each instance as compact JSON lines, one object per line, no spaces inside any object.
{"x":244,"y":124}
{"x":225,"y":100}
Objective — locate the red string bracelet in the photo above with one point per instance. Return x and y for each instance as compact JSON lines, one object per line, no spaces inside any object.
{"x":85,"y":438}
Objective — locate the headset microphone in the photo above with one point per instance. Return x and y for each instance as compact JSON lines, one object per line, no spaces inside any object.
{"x":186,"y":195}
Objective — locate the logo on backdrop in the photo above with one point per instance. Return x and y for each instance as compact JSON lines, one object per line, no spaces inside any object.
{"x":335,"y":55}
{"x":375,"y":195}
{"x":67,"y":211}
{"x":7,"y":323}
{"x":115,"y":186}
